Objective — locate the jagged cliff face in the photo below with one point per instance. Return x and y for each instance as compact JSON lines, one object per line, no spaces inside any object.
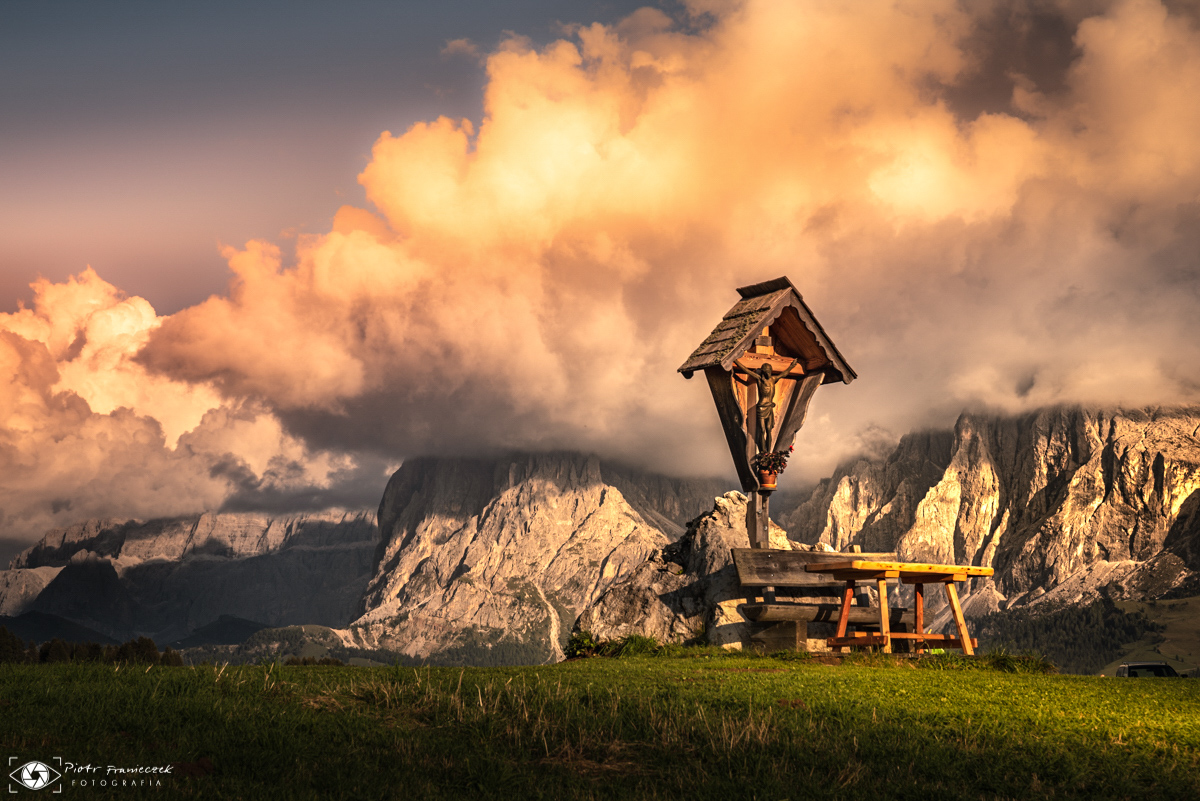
{"x":166,"y":577}
{"x":686,"y":591}
{"x":480,"y":560}
{"x":872,"y":503}
{"x":492,"y":560}
{"x":1063,"y":503}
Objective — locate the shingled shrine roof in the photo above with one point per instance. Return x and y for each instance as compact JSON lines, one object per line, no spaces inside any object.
{"x":777,"y":304}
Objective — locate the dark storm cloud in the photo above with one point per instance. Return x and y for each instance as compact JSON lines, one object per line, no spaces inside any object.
{"x":1027,"y":42}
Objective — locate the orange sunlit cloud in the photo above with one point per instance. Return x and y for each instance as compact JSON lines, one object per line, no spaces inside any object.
{"x":86,"y":431}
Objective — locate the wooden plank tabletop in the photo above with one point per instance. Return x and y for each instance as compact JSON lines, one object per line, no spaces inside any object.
{"x":901,"y":568}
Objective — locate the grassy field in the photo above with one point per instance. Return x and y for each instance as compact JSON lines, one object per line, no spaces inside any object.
{"x":693,"y":726}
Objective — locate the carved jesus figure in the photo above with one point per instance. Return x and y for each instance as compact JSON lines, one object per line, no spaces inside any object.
{"x":765,"y":378}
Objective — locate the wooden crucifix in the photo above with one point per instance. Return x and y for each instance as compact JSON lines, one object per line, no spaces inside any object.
{"x":764,"y":362}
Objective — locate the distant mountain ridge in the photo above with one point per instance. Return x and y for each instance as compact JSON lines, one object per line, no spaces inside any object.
{"x":176,"y":579}
{"x":236,"y":535}
{"x":167,"y":577}
{"x":487,"y":561}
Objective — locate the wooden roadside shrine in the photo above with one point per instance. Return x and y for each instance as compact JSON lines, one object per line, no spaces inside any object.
{"x":763,"y":363}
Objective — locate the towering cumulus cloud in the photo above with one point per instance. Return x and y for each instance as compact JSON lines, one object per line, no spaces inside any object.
{"x":985,"y":203}
{"x":88,"y":432}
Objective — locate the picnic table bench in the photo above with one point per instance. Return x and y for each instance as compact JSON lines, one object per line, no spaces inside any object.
{"x":772,"y":572}
{"x":780,"y":593}
{"x":916,"y":573}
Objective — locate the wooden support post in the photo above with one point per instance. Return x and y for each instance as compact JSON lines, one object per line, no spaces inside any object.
{"x":959,"y":620}
{"x":764,"y":519}
{"x":752,"y":519}
{"x":919,"y":614}
{"x":758,"y":511}
{"x":885,"y":627}
{"x":844,"y":617}
{"x":758,"y":527}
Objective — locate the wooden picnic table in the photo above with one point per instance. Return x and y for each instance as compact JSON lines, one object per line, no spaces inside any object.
{"x":915,"y":573}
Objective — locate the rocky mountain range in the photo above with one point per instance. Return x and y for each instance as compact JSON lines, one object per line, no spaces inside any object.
{"x":1066,"y":504}
{"x":166,"y":578}
{"x":484,"y":561}
{"x":473,"y":560}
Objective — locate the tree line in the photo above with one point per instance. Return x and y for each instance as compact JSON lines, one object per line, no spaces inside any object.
{"x":139,"y":651}
{"x":1079,"y":639}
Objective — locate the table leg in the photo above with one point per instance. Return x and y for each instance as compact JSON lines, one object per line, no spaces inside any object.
{"x":919,"y":614}
{"x":844,"y":617}
{"x":885,"y":625}
{"x":959,"y":620}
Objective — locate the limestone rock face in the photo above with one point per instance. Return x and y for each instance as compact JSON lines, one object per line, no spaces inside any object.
{"x":102,"y":537}
{"x":19,"y":588}
{"x":231,"y":535}
{"x":172,"y":576}
{"x":1081,"y":501}
{"x":665,"y":502}
{"x":490,"y":561}
{"x":872,"y":503}
{"x":687,"y":590}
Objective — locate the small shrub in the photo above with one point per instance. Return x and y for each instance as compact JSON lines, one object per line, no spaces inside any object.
{"x":582,"y":644}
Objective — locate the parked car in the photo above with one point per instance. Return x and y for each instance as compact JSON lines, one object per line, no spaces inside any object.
{"x":1143,"y":670}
